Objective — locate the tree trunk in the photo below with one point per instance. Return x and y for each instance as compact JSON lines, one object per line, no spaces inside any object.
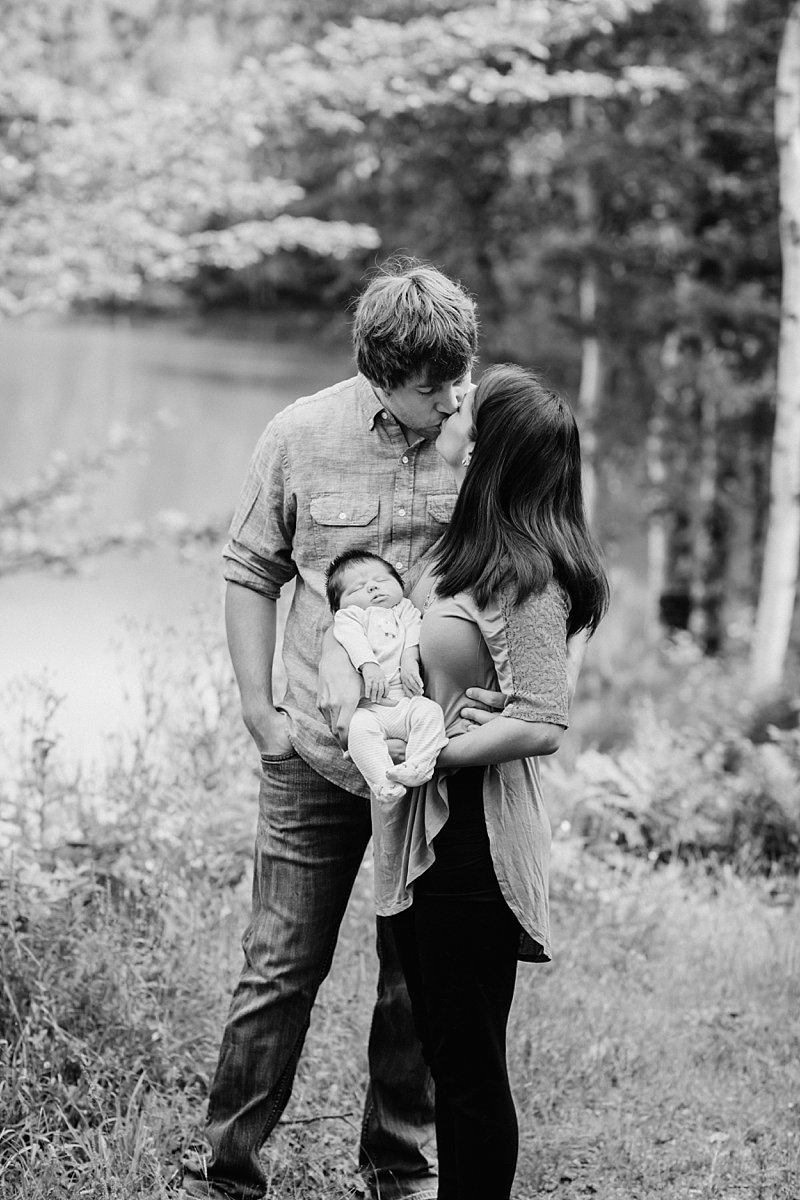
{"x":668,"y":593}
{"x":591,"y":385}
{"x":713,"y":533}
{"x":714,"y":555}
{"x":656,"y":518}
{"x":591,"y":382}
{"x":779,"y":573}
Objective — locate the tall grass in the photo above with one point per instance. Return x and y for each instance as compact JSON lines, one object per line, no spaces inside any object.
{"x":657,"y":1056}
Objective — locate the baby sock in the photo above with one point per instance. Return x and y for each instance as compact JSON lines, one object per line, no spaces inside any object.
{"x":412,"y":774}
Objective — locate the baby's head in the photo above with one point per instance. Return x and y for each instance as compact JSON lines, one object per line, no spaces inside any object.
{"x":359,"y":578}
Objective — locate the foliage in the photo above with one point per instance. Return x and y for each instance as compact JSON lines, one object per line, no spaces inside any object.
{"x":701,"y":774}
{"x":119,"y":187}
{"x":526,"y":145}
{"x":114,"y":904}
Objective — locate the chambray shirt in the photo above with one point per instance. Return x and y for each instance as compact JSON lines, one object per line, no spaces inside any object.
{"x":330,"y":471}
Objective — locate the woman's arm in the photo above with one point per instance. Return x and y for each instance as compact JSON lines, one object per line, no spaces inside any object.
{"x":492,"y":702}
{"x":500,"y":741}
{"x":529,"y":647}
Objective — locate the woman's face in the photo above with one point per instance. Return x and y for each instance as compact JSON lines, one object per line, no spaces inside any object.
{"x":455,"y":438}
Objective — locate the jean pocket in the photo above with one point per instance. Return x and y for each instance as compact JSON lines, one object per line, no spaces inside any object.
{"x":269,"y":760}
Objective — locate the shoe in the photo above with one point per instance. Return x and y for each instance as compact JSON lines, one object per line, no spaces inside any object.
{"x":199,"y":1189}
{"x":206,"y":1192}
{"x":426,"y":1195}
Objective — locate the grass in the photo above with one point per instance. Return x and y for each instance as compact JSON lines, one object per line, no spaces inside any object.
{"x":656,"y":1057}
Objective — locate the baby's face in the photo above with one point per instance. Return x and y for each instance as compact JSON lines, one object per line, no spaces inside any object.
{"x":367,"y":584}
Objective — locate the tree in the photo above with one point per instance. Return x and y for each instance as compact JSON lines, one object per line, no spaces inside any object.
{"x":125,"y":175}
{"x":582,"y":167}
{"x":462,"y":125}
{"x":780,"y":570}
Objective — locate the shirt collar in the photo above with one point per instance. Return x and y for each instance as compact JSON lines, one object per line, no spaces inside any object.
{"x":371,"y":402}
{"x":374,"y":408}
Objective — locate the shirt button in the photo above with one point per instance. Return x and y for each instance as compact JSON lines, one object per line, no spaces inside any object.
{"x":384,"y":414}
{"x":404,"y":459}
{"x":402,"y":512}
{"x":342,"y":516}
{"x":399,"y":566}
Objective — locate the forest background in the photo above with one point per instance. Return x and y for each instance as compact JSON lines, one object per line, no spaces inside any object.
{"x":603,"y":175}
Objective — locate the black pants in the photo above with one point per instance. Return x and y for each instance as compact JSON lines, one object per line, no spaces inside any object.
{"x":458,"y":948}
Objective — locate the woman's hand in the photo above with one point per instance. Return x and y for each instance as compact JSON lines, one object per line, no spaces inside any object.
{"x":487,"y":706}
{"x":499,"y":742}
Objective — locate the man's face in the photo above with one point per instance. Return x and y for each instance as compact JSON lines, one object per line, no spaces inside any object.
{"x":422,"y":407}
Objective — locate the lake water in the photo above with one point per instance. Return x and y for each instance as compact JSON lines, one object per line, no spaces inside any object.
{"x":203,"y":392}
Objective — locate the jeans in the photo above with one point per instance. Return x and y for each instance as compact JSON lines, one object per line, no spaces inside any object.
{"x":310,"y":841}
{"x":458,"y":945}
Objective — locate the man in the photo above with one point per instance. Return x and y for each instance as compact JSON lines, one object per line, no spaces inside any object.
{"x":353,"y":465}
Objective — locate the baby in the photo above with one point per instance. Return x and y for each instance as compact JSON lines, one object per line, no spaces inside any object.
{"x":379,"y":629}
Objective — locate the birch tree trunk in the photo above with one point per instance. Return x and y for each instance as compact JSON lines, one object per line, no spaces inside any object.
{"x":658,"y":508}
{"x":779,"y":573}
{"x":590,"y":390}
{"x":591,"y":381}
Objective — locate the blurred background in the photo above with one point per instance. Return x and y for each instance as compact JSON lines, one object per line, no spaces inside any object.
{"x":192,"y":193}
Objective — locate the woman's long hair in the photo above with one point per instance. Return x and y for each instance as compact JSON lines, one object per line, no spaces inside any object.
{"x":519,"y":518}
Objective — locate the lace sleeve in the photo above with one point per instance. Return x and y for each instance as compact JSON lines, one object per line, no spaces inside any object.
{"x":536,"y":644}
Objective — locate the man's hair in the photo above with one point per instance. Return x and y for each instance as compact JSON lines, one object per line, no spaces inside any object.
{"x":334,"y":576}
{"x":519,"y":518}
{"x":411,"y":318}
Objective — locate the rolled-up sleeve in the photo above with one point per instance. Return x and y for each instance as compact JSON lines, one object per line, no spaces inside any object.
{"x":258,"y":553}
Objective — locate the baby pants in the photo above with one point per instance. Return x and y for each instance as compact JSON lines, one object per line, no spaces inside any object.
{"x":416,"y":720}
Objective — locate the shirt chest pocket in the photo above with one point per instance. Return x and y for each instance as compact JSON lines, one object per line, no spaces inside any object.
{"x":340,"y":523}
{"x":439,"y":508}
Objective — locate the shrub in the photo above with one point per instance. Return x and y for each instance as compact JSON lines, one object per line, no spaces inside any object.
{"x":118,"y":903}
{"x":690,"y":782}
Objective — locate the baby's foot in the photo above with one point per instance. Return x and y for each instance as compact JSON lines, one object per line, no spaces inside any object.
{"x":411,"y":773}
{"x":391,"y":791}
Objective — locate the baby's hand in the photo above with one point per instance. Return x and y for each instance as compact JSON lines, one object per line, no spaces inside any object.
{"x":374,"y":681}
{"x":411,"y":679}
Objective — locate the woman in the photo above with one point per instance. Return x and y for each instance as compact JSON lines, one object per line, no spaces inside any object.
{"x":461,"y":869}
